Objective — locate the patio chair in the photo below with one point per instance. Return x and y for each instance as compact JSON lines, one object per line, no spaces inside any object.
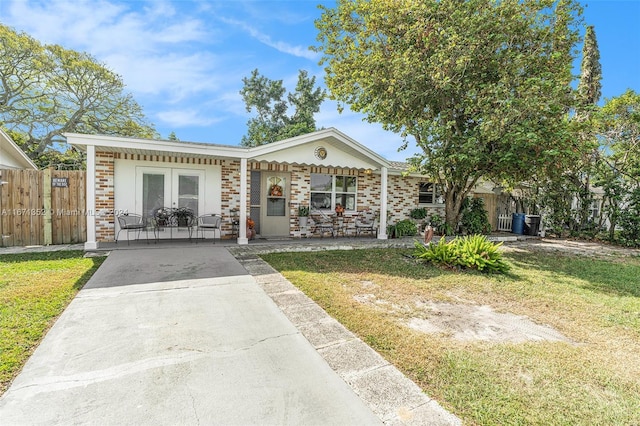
{"x":366,"y":222}
{"x":322,"y":223}
{"x":209,"y":222}
{"x":132,"y":223}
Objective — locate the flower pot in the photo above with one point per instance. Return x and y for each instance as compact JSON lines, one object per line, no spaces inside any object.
{"x":251,"y":233}
{"x":304,"y":220}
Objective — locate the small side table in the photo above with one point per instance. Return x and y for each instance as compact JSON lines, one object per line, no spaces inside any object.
{"x":235,"y":228}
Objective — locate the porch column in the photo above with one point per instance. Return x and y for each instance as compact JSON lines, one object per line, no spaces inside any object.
{"x":382,"y":233}
{"x":91,"y":243}
{"x":242,"y":231}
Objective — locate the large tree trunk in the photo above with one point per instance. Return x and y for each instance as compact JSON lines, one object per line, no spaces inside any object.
{"x":454,"y":194}
{"x":453,"y":204}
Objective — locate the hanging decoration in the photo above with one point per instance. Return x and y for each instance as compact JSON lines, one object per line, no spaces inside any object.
{"x":275,"y":186}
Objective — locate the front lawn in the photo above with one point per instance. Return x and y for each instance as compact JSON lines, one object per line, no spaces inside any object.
{"x":590,"y":377}
{"x":34,"y":290}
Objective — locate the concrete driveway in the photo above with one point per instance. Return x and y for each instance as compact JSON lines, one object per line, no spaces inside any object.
{"x":179,"y":335}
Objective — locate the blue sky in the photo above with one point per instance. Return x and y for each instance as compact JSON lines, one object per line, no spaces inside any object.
{"x":184,"y":61}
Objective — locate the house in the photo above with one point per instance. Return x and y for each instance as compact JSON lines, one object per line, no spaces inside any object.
{"x":11,"y":156}
{"x":319,"y":169}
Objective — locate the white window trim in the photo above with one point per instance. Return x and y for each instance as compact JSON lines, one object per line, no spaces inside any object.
{"x":438,"y":201}
{"x":334,"y":192}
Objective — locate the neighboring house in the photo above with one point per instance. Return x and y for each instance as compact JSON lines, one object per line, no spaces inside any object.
{"x":319,"y":169}
{"x":11,"y":156}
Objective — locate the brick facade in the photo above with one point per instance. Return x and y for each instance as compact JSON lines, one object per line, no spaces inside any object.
{"x":104,"y":217}
{"x":402,"y":193}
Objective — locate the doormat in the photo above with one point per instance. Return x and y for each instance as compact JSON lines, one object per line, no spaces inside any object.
{"x":275,"y":238}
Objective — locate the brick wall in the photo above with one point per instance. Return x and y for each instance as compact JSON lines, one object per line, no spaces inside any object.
{"x":230,"y":197}
{"x":402,"y":194}
{"x":403,"y":197}
{"x":105,"y":220}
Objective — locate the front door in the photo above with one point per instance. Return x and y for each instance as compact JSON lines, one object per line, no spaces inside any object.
{"x":274,"y":198}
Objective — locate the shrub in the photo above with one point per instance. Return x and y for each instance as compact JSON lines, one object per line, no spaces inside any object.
{"x":418,"y":213}
{"x":405,"y":227}
{"x":442,"y":253}
{"x":474,"y":217}
{"x":470,"y":252}
{"x":440,"y":226}
{"x":476,"y":252}
{"x":629,"y":220}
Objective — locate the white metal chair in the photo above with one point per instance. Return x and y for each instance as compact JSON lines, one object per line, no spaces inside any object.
{"x":132,"y":223}
{"x":209,"y":222}
{"x":366,"y":222}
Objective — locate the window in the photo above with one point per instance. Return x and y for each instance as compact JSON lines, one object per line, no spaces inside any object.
{"x":430,"y":193}
{"x":329,"y":190}
{"x":152,"y":193}
{"x":594,"y":210}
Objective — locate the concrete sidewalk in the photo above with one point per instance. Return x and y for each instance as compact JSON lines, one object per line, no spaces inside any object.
{"x":184,"y":335}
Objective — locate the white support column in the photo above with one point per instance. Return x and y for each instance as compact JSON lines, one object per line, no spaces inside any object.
{"x":91,"y":243}
{"x":382,"y":234}
{"x":242,"y":231}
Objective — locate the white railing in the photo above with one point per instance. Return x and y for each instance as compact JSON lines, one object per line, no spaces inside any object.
{"x":504,"y":223}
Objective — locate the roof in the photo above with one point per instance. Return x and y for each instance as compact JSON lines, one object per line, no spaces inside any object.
{"x":11,"y":156}
{"x":339,"y":149}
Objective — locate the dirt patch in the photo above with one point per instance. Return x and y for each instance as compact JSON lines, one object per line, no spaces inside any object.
{"x":471,"y":322}
{"x":465,"y":321}
{"x":576,"y":247}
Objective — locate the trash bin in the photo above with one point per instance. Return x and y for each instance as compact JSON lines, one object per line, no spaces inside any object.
{"x":531,"y":224}
{"x":517,"y":223}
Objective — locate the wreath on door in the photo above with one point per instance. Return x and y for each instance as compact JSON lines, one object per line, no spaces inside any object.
{"x":275,"y":189}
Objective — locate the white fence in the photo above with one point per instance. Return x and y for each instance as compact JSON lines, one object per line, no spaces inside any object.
{"x":504,"y":223}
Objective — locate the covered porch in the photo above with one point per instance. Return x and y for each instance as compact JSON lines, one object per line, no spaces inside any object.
{"x":268,"y":183}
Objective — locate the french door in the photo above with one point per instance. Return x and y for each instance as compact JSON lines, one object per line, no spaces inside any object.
{"x":172,"y":188}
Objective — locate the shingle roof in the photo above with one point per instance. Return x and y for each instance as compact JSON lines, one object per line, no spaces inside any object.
{"x":399,"y":165}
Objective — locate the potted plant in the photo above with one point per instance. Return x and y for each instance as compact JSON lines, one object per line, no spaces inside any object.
{"x":161,"y":217}
{"x":184,"y":216}
{"x":251,"y":228}
{"x":437,"y":222}
{"x":303,"y":215}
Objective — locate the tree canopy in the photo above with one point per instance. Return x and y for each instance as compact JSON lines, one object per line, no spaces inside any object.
{"x":272,"y":122}
{"x":47,"y":90}
{"x":482,"y":85}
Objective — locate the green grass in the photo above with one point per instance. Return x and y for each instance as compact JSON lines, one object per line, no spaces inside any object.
{"x":34,"y":290}
{"x":593,"y":302}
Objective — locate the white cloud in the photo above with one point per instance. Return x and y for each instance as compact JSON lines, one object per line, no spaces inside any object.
{"x":174,"y":76}
{"x":185,"y":118}
{"x":281,"y":46}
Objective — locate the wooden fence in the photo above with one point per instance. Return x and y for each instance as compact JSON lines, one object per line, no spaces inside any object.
{"x":490,"y":205}
{"x":42,"y":207}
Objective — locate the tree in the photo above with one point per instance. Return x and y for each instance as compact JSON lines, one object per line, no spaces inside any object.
{"x":566,"y":194}
{"x":482,"y":85}
{"x":273,"y":123}
{"x":618,"y":126}
{"x":590,"y":86}
{"x":48,"y":90}
{"x":589,"y":92}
